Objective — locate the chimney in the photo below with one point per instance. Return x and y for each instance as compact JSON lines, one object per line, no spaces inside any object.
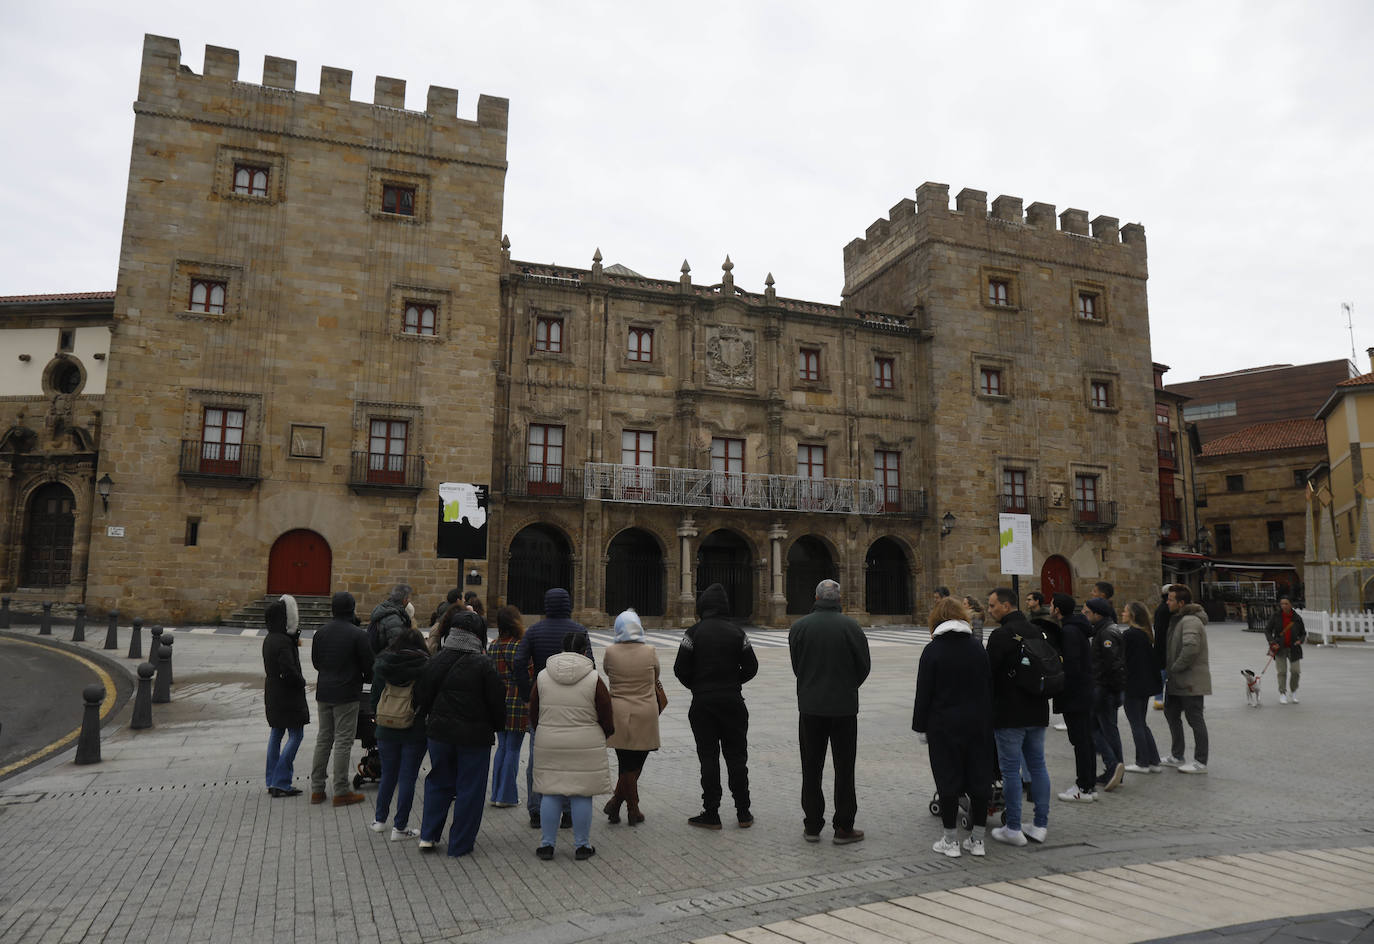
{"x":1370,"y":351}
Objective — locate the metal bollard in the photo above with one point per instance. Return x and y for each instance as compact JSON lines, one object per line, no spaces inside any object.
{"x":167,"y":644}
{"x":162,"y":688}
{"x":112,"y":631}
{"x":88,"y":744}
{"x":143,"y":701}
{"x":45,"y":622}
{"x":4,"y":612}
{"x":79,"y":630}
{"x":154,"y":642}
{"x":136,"y":640}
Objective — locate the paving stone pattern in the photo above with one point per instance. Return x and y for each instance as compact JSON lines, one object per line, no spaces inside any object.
{"x":173,"y":838}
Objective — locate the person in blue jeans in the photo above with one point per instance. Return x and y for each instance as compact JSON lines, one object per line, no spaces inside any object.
{"x":1019,"y":720}
{"x":402,"y":748}
{"x":464,"y":704}
{"x":283,"y":695}
{"x":509,"y":629}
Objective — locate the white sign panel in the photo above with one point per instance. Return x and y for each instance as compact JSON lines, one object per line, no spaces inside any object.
{"x":112,"y":531}
{"x":1014,"y":539}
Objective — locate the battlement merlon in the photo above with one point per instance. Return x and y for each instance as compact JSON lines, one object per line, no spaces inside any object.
{"x":169,"y":87}
{"x":1034,"y":231}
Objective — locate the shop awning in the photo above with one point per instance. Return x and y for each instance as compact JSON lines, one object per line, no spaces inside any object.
{"x":1183,"y":555}
{"x":1241,"y":565}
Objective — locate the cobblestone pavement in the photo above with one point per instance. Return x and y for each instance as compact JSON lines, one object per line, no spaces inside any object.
{"x":173,"y":837}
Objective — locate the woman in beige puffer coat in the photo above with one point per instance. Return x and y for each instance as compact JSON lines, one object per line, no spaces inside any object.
{"x":632,"y":671}
{"x":570,"y":707}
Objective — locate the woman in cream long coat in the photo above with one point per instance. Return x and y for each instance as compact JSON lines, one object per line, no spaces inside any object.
{"x":632,"y":671}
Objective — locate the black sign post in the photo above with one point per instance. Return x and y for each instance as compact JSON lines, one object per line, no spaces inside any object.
{"x":462,"y":524}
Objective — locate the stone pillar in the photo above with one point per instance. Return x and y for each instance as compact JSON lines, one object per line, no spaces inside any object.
{"x":687,"y":594}
{"x":777,"y":601}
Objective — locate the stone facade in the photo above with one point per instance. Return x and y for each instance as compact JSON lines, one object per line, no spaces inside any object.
{"x":273,"y":242}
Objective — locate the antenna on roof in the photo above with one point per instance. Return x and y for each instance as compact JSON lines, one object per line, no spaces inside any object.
{"x":1349,"y":310}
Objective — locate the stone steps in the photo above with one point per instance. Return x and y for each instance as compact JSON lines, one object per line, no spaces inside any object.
{"x":314,"y":612}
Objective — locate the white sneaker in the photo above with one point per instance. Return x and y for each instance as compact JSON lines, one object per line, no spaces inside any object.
{"x":948,"y":847}
{"x":399,"y":835}
{"x":1137,"y":769}
{"x":1075,"y":795}
{"x":1193,"y":768}
{"x":1012,"y":837}
{"x":974,"y":847}
{"x":1283,"y":699}
{"x":1060,"y":726}
{"x":1155,"y":768}
{"x":426,"y":845}
{"x":1171,"y":761}
{"x":1293,"y":698}
{"x":377,"y":826}
{"x":1035,"y":833}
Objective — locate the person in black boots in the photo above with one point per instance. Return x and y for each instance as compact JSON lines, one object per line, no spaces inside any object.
{"x":1075,"y":703}
{"x":1109,"y":685}
{"x":283,"y":695}
{"x":714,"y":661}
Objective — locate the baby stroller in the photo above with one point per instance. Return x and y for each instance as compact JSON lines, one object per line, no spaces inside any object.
{"x":997,"y":807}
{"x":370,"y":764}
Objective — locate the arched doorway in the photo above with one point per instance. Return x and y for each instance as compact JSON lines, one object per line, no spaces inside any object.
{"x":1056,"y":577}
{"x":300,"y":564}
{"x":634,"y":574}
{"x":808,"y":563}
{"x":724,"y":558}
{"x":887,"y":579}
{"x":48,"y":541}
{"x":540,"y":559}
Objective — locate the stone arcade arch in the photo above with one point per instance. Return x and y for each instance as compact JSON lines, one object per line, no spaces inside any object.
{"x":51,"y":528}
{"x":300,"y":564}
{"x":540,"y":559}
{"x":809,"y":561}
{"x":725,"y":557}
{"x":887,"y":579}
{"x":634,"y":574}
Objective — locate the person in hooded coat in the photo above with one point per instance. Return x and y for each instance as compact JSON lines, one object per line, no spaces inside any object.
{"x":714,"y":661}
{"x":464,"y":704}
{"x":1073,"y":638}
{"x":402,"y":749}
{"x":632,"y":676}
{"x":542,"y":640}
{"x":283,"y":695}
{"x":389,"y":617}
{"x":570,"y":708}
{"x":953,"y":715}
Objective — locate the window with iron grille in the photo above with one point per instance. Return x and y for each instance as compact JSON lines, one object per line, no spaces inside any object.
{"x":809,"y":364}
{"x":1014,"y":491}
{"x":883,"y":373}
{"x":1087,"y":306}
{"x":545,"y":459}
{"x":641,"y":345}
{"x":398,"y":200}
{"x":250,"y":181}
{"x":548,"y":335}
{"x":999,"y":292}
{"x":207,"y":296}
{"x":990,"y":382}
{"x":420,"y":318}
{"x":887,"y":472}
{"x":1101,"y":394}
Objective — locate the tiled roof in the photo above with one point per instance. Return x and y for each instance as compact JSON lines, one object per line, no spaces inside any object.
{"x":1357,"y":381}
{"x":66,"y":297}
{"x":1269,"y":437}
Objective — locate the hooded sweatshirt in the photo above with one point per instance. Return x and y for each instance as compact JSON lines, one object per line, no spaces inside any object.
{"x":284,"y":689}
{"x":545,"y":639}
{"x":571,"y":710}
{"x":715,"y":659}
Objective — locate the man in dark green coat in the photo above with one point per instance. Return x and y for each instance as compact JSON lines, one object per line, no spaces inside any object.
{"x":830,"y":659}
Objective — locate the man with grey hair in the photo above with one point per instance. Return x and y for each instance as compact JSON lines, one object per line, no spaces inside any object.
{"x":389,"y":617}
{"x":830,"y":660}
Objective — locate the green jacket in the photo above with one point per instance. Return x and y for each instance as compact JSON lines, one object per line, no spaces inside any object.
{"x":830,"y":660}
{"x":1190,"y":672}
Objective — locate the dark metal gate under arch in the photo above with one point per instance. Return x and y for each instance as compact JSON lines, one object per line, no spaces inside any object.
{"x":808,"y":563}
{"x":540,"y":560}
{"x":724,"y":558}
{"x":634,"y":574}
{"x":887,"y":579}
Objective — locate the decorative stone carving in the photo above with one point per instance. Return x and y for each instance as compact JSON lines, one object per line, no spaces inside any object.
{"x":730,"y":356}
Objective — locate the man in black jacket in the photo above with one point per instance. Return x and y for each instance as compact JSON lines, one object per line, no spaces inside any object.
{"x":1019,"y":720}
{"x":1109,"y":682}
{"x":714,"y":661}
{"x":343,"y":658}
{"x":1075,"y":702}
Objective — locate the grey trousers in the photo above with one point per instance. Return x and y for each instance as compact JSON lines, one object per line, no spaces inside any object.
{"x":1289,"y":670}
{"x":338,"y":725}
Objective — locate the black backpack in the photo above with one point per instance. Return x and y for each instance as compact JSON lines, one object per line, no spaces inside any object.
{"x":1039,"y":668}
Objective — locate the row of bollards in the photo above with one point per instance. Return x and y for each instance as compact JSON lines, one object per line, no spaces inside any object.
{"x":154,"y":688}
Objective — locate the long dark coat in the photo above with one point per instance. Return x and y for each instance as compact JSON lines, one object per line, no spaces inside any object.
{"x":954,"y":710}
{"x":284,"y":691}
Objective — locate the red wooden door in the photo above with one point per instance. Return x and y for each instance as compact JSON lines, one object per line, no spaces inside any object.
{"x":299,"y":564}
{"x":1056,"y":577}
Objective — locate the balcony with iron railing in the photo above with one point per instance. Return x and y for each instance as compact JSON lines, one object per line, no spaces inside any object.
{"x":380,"y":473}
{"x":1094,"y":515}
{"x":1032,"y":505}
{"x":704,"y":488}
{"x":213,"y":463}
{"x":543,"y":481}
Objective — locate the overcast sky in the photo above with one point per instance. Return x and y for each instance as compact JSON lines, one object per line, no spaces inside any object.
{"x":1238,"y":133}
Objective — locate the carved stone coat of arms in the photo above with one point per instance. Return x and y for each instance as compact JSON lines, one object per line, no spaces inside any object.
{"x":730,"y":357}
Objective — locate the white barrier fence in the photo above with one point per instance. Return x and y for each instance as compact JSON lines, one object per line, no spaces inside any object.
{"x":1343,"y":624}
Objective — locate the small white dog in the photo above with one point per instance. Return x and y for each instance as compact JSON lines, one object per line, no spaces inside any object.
{"x":1252,"y":688}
